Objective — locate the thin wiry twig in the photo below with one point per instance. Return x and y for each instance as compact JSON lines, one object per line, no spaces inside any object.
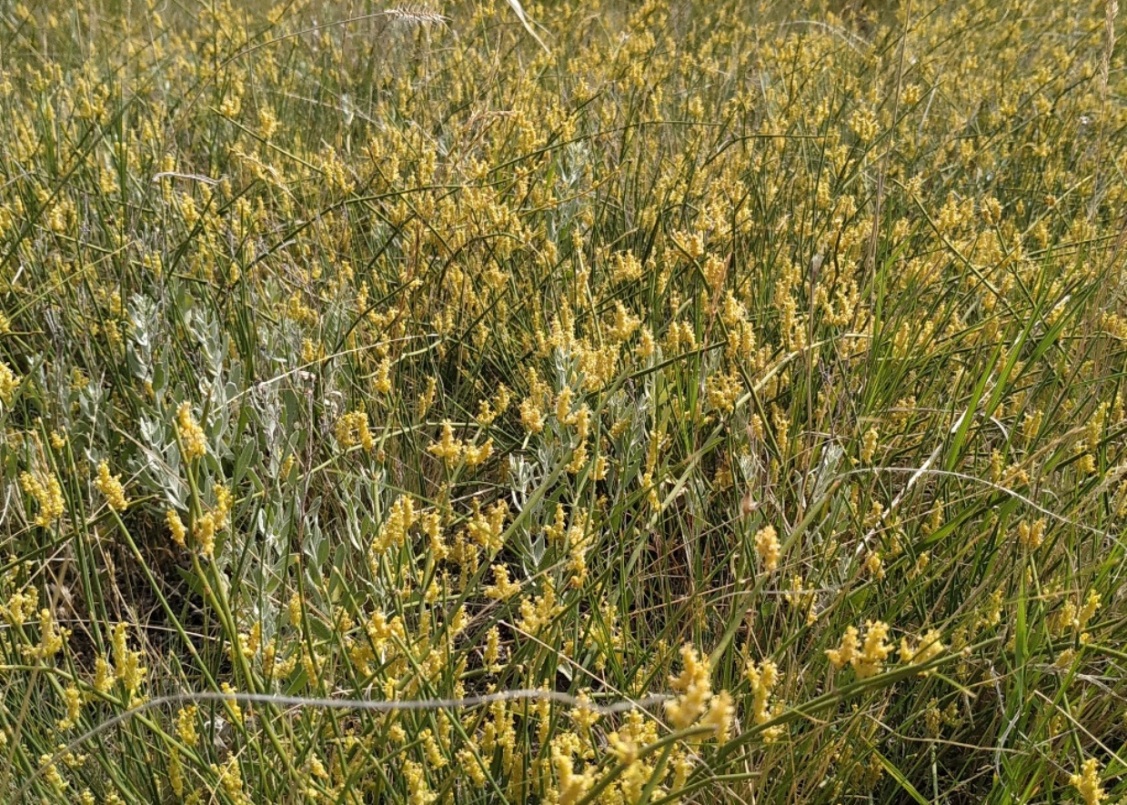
{"x":415,"y":15}
{"x":1060,"y":518}
{"x":853,"y":40}
{"x":916,"y":475}
{"x":195,"y":177}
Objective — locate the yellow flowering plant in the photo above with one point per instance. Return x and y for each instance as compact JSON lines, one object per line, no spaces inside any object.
{"x":398,"y":406}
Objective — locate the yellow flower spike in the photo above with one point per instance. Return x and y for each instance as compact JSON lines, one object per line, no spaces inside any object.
{"x":471,"y":767}
{"x":400,"y":519}
{"x":1031,"y":535}
{"x":874,"y":650}
{"x":230,"y":778}
{"x":845,"y":653}
{"x":531,"y":415}
{"x":175,"y":774}
{"x":50,"y":773}
{"x":762,"y":678}
{"x":869,"y":445}
{"x":693,"y":685}
{"x":176,"y":527}
{"x":493,"y":653}
{"x":9,"y":382}
{"x":537,"y":613}
{"x":186,"y":729}
{"x":51,"y":637}
{"x":1088,"y":611}
{"x":111,"y":488}
{"x":502,"y":587}
{"x":478,"y":454}
{"x":571,"y":785}
{"x":103,"y":676}
{"x":584,"y":716}
{"x":1087,"y":782}
{"x":203,"y":532}
{"x":927,"y":649}
{"x":21,"y":606}
{"x":352,"y":429}
{"x":192,"y":439}
{"x":767,"y":547}
{"x":874,"y":564}
{"x":72,"y":697}
{"x":382,"y":383}
{"x":233,"y":708}
{"x":426,"y":399}
{"x":127,"y":663}
{"x":719,"y":716}
{"x":447,"y":448}
{"x":48,"y":494}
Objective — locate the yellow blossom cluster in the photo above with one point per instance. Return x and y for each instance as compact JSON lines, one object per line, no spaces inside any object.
{"x":866,"y":656}
{"x":127,"y":667}
{"x":695,"y":698}
{"x":928,"y":648}
{"x":110,"y":486}
{"x":1087,"y":782}
{"x":207,"y":525}
{"x":352,"y":429}
{"x":9,"y":382}
{"x":192,"y":439}
{"x":48,"y":494}
{"x":767,"y":547}
{"x":763,"y":677}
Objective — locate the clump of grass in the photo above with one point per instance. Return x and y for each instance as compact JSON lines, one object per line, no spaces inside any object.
{"x":722,"y":403}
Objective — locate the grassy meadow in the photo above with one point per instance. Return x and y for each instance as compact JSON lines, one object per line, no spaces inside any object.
{"x":640,"y":402}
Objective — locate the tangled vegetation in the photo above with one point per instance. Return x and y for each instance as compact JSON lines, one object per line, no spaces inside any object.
{"x":637,"y":402}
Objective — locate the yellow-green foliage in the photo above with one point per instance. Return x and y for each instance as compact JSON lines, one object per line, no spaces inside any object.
{"x":759,"y":364}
